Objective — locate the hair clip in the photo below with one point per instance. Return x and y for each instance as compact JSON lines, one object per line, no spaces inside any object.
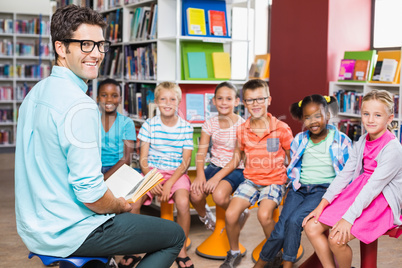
{"x":300,"y":103}
{"x":327,"y":98}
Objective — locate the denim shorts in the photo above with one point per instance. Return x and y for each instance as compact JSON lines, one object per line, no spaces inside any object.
{"x":252,"y":192}
{"x":105,"y":169}
{"x":235,"y":178}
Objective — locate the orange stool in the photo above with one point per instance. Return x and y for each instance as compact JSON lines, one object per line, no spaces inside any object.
{"x":167,"y":214}
{"x":217,"y":245}
{"x":368,"y":253}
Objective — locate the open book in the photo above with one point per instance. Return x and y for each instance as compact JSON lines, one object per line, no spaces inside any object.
{"x":128,"y":183}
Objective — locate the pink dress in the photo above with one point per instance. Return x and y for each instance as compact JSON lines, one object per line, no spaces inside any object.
{"x":377,"y":218}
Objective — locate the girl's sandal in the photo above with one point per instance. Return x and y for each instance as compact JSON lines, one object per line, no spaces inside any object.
{"x":184,"y":260}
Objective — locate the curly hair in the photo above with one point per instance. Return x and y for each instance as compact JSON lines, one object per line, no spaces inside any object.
{"x":66,"y":20}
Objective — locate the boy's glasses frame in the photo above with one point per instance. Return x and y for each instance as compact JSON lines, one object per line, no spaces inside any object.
{"x":258,"y":100}
{"x":87,"y":46}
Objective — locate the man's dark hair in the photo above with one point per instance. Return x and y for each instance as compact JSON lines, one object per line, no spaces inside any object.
{"x":66,"y":20}
{"x":109,"y":81}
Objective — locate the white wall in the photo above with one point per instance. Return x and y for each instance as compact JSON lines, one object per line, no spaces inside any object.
{"x":26,"y":6}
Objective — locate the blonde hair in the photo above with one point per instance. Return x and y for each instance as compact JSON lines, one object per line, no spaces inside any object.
{"x":382,"y":96}
{"x":169,"y":86}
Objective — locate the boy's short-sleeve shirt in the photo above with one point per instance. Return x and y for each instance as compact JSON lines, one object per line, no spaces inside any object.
{"x":166,"y":143}
{"x":265,"y":155}
{"x":113,"y":140}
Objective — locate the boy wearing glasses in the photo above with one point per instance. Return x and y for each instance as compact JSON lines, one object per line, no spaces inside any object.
{"x":63,"y":207}
{"x":264,"y":142}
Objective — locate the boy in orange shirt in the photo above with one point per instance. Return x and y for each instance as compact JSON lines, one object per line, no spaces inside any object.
{"x":264,"y":141}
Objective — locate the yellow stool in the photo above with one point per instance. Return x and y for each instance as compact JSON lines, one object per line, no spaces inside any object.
{"x":217,"y":245}
{"x":256,"y":252}
{"x":167,"y":214}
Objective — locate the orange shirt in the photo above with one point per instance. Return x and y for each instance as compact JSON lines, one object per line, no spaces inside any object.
{"x":265,"y":155}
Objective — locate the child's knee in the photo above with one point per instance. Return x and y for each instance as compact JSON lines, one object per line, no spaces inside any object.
{"x":311,"y":229}
{"x":265,"y":217}
{"x":182,"y":204}
{"x":232,"y":216}
{"x":220,"y":198}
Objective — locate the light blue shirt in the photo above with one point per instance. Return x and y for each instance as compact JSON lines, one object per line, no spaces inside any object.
{"x":113,"y":140}
{"x":58,"y":165}
{"x":166,"y":143}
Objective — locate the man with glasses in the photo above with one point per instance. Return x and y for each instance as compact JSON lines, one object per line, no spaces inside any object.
{"x":63,"y":206}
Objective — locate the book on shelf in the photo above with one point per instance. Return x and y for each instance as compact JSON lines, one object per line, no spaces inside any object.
{"x":349,"y":101}
{"x":197,"y":65}
{"x":377,"y":71}
{"x":140,"y":62}
{"x":221,"y":64}
{"x":153,"y":110}
{"x":260,"y":68}
{"x":217,"y":22}
{"x":352,"y":128}
{"x":195,"y":107}
{"x":210,"y":108}
{"x":196,"y":21}
{"x":391,"y":70}
{"x":131,"y":185}
{"x":388,"y":70}
{"x":361,"y":70}
{"x":346,"y":70}
{"x":138,"y":104}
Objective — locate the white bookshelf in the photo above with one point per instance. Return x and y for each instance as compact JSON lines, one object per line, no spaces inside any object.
{"x":15,"y":77}
{"x":364,"y":88}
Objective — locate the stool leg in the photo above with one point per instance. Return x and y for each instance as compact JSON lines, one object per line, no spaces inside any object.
{"x":217,"y":244}
{"x":368,"y":255}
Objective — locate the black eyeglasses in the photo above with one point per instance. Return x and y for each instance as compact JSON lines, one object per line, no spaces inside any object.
{"x":88,"y":45}
{"x":258,"y":100}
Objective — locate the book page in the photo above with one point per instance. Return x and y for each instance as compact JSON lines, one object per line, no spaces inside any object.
{"x":123,"y":181}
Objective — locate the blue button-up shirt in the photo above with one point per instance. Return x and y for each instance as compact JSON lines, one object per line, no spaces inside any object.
{"x":338,"y":150}
{"x":58,"y":165}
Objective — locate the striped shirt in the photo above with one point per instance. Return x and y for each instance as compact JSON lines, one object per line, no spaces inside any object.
{"x":223,"y":141}
{"x":339,"y":151}
{"x":166,"y":143}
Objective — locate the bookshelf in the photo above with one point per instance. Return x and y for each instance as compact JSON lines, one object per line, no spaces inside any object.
{"x":25,"y":58}
{"x":158,"y":55}
{"x":349,"y":110}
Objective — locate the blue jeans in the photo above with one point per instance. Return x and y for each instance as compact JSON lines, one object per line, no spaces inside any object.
{"x":287,"y":231}
{"x":128,"y":233}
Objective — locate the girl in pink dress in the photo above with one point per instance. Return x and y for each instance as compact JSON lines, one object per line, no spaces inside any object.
{"x":364,"y":201}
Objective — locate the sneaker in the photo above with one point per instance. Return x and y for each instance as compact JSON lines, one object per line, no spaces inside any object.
{"x":209,"y":219}
{"x":231,"y":261}
{"x":243,"y":218}
{"x":276,"y":263}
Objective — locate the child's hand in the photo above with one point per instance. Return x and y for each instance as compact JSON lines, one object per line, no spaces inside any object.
{"x":211,"y":185}
{"x":198,"y":185}
{"x":341,"y":232}
{"x":316,"y":213}
{"x":166,"y":192}
{"x":157,"y":190}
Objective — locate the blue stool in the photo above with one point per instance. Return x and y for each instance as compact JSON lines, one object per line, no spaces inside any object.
{"x":69,"y":262}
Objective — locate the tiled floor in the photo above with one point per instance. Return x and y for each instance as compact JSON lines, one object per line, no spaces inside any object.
{"x":13,"y":252}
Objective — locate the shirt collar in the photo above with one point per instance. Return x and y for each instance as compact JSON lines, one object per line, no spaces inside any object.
{"x":64,"y":72}
{"x":272,"y":123}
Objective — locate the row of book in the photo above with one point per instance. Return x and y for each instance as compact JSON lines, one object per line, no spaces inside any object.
{"x":352,"y":128}
{"x":6,"y":115}
{"x":32,"y":26}
{"x":367,"y":65}
{"x":6,"y":93}
{"x":114,"y":21}
{"x":6,"y":47}
{"x":83,"y":3}
{"x":6,"y":26}
{"x":204,"y":18}
{"x":202,"y":61}
{"x":140,"y":100}
{"x":6,"y":136}
{"x":33,"y":49}
{"x":29,"y":71}
{"x":112,"y":64}
{"x":21,"y":91}
{"x":144,"y":23}
{"x":140,"y":62}
{"x":350,"y":101}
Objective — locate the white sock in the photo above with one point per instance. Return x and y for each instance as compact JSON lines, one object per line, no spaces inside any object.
{"x":234,"y":252}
